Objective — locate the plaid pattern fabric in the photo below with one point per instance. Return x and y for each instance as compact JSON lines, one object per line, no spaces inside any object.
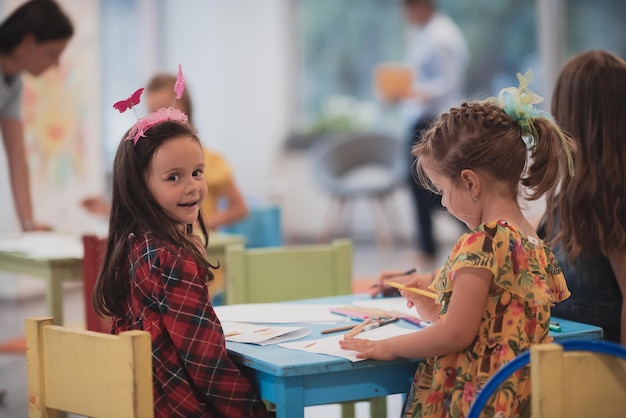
{"x":192,"y":374}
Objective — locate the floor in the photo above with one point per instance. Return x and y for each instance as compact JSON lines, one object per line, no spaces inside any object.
{"x":369,"y":260}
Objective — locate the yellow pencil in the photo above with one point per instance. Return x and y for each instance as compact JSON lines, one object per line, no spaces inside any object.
{"x":412,"y":289}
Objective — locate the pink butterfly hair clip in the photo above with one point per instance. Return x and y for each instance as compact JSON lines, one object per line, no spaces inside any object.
{"x":139,"y":129}
{"x":133,"y":100}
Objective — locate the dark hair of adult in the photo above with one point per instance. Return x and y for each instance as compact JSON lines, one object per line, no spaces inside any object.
{"x":589,"y":102}
{"x":482,"y":137}
{"x":43,"y":19}
{"x":134,"y":211}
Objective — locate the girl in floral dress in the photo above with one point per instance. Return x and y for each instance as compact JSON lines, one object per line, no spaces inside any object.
{"x":495,"y":291}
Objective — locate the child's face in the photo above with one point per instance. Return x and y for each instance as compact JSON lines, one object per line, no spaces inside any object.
{"x":175,"y":178}
{"x":457,"y":200}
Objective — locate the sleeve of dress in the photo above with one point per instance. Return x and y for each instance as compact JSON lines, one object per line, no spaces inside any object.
{"x":11,"y":107}
{"x":197,"y":334}
{"x":471,"y":250}
{"x":555,"y":278}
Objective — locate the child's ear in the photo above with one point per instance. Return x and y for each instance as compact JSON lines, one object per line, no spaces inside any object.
{"x":470,"y":181}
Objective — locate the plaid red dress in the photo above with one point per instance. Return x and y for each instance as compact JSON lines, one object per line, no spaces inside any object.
{"x":192,"y":374}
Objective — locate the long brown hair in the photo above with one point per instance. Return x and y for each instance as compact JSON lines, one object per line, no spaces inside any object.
{"x":481,"y":136}
{"x":589,"y":101}
{"x":135,"y":211}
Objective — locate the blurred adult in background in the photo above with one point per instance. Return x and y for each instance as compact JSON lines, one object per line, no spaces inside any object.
{"x":586,"y":218}
{"x":32,"y":39}
{"x":224,"y":203}
{"x":438,"y":57}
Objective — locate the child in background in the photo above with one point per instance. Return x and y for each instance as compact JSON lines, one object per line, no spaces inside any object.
{"x":499,"y":282}
{"x":155,"y":274}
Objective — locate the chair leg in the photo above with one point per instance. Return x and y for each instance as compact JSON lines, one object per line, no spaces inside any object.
{"x":391,"y":205}
{"x":384,"y":234}
{"x":378,"y":407}
{"x":347,"y":410}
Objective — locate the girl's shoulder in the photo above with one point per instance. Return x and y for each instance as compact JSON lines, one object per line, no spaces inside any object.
{"x":147,"y":244}
{"x":502,"y":228}
{"x":152,"y":253}
{"x":491,"y":235}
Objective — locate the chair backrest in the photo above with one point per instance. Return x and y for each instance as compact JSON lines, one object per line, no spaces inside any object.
{"x":262,"y":227}
{"x":578,"y":383}
{"x":335,"y":156}
{"x":94,"y":248}
{"x":87,"y":373}
{"x":276,"y":274}
{"x":572,"y":379}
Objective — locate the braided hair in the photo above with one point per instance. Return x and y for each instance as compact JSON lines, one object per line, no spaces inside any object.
{"x":482,"y":137}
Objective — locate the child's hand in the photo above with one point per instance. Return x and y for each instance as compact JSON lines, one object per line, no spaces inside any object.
{"x":425,"y":307}
{"x":376,"y":350}
{"x":418,"y":281}
{"x":384,"y":289}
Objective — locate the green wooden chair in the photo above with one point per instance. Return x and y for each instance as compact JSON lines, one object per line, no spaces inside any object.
{"x":277,"y":274}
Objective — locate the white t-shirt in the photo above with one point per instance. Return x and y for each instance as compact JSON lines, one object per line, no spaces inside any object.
{"x":438,"y":55}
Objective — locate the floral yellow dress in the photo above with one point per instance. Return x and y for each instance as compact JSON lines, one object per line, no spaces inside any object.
{"x":527,"y":281}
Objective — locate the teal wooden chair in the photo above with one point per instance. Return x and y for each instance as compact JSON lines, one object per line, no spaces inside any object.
{"x":277,"y":274}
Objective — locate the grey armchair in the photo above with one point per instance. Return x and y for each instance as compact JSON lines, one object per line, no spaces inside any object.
{"x":367,"y":165}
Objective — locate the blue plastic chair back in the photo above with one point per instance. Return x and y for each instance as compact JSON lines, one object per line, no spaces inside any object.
{"x":262,"y":227}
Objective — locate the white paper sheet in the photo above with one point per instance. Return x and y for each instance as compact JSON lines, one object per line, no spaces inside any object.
{"x":261,"y":334}
{"x":43,"y":245}
{"x":277,"y":313}
{"x":330,"y":345}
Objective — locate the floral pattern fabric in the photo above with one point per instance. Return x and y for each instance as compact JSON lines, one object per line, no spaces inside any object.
{"x":527,"y":281}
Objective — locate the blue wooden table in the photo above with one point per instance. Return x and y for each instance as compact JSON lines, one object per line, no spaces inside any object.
{"x":293,"y":379}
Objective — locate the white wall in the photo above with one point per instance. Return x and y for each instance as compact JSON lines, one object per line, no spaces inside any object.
{"x":235,"y":56}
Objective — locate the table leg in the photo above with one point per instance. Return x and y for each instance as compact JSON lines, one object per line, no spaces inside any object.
{"x":54,"y":297}
{"x":290,"y":400}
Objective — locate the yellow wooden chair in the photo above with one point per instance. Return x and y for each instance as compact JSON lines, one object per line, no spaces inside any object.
{"x":578,"y":383}
{"x":277,"y":274}
{"x":574,"y":379}
{"x":87,"y":373}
